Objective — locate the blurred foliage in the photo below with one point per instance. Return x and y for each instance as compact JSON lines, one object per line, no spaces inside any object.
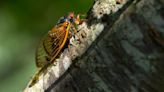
{"x":22,"y":24}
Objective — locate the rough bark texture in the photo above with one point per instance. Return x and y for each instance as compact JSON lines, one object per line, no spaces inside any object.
{"x":128,"y":55}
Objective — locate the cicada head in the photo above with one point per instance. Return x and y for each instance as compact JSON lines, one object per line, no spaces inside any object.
{"x":70,"y":18}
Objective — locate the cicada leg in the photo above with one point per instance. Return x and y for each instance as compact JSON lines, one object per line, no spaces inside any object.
{"x":75,"y":34}
{"x":78,"y":20}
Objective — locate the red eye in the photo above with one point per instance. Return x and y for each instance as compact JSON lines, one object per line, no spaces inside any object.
{"x":71,"y":15}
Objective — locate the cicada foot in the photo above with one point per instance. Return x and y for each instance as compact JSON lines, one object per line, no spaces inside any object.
{"x":79,"y":20}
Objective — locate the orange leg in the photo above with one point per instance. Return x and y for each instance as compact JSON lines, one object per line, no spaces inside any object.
{"x":78,"y":20}
{"x":75,"y":33}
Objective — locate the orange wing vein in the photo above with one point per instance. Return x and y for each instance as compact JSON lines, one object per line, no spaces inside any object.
{"x":51,"y":45}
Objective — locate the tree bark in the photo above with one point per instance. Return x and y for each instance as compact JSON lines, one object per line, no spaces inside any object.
{"x":126,"y":53}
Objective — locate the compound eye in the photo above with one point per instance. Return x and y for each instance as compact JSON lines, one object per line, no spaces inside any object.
{"x":71,"y":15}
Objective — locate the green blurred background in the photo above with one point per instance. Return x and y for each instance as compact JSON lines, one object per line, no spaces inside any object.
{"x":22,"y":24}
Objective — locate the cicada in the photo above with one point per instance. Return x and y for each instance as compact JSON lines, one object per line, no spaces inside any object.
{"x":52,"y":44}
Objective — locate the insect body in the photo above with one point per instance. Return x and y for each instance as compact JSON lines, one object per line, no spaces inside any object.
{"x":55,"y":40}
{"x":51,"y":45}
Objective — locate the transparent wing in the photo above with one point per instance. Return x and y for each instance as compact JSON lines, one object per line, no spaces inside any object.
{"x":50,"y":46}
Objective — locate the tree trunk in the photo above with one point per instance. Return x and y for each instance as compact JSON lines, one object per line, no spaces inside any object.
{"x":127,"y":56}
